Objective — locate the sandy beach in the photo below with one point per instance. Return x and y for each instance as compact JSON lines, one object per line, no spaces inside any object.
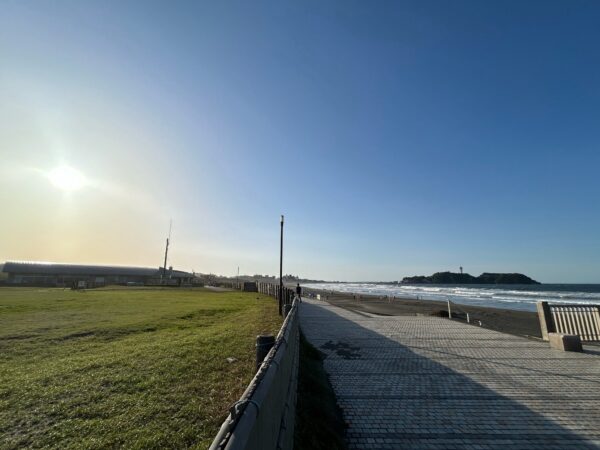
{"x":521,"y":323}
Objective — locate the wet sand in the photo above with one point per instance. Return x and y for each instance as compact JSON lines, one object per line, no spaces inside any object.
{"x":521,"y":323}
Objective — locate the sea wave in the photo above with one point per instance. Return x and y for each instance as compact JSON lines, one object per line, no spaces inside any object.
{"x":521,"y":298}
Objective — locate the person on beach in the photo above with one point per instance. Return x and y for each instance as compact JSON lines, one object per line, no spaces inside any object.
{"x":298,"y":290}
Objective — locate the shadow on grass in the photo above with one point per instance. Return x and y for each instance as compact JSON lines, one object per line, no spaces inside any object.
{"x":319,"y":421}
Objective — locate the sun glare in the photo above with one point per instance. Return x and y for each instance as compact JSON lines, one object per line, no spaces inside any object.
{"x":66,"y":178}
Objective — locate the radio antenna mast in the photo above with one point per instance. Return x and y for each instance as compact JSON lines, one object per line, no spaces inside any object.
{"x":164,"y":272}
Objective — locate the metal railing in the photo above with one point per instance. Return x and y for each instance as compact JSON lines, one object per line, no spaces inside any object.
{"x":582,"y":320}
{"x":263,"y":418}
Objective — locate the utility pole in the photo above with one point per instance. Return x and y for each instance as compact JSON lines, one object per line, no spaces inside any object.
{"x":461,"y":270}
{"x":281,"y":268}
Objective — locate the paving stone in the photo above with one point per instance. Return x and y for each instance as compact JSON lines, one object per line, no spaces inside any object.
{"x":434,"y":383}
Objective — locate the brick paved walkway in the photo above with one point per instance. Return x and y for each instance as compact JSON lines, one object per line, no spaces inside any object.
{"x":433,"y":383}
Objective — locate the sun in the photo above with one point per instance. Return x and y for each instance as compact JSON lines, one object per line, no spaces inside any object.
{"x":66,"y":178}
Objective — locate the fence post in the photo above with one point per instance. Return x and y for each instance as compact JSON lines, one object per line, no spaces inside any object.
{"x":264,"y":343}
{"x":449,"y":310}
{"x":546,"y":322}
{"x":286,"y":309}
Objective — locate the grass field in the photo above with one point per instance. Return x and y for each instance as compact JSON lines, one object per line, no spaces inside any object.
{"x":135,"y":368}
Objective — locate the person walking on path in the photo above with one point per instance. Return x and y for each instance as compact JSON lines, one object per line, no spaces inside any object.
{"x":299,"y":291}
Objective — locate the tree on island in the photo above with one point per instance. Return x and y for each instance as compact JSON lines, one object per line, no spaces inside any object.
{"x":465,"y":278}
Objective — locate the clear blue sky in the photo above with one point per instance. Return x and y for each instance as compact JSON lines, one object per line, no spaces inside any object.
{"x":398,"y":138}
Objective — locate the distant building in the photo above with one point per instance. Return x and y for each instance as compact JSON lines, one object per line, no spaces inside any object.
{"x":65,"y":275}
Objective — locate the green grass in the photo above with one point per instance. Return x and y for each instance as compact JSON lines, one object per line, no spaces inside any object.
{"x":135,"y":368}
{"x":319,"y":421}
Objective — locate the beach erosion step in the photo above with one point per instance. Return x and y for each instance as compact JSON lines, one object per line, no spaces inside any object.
{"x":430,"y":382}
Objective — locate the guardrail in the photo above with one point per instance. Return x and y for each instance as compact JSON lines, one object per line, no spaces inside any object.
{"x":582,"y":320}
{"x":263,"y":418}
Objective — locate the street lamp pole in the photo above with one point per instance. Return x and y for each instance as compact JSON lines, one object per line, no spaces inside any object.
{"x":281,"y":268}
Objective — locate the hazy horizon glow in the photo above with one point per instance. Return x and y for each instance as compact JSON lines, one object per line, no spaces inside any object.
{"x":67,"y":178}
{"x":398,"y":138}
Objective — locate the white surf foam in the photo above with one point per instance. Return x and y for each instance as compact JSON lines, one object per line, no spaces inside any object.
{"x":509,"y":298}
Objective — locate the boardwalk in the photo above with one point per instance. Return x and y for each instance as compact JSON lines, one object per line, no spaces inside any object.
{"x":433,"y":383}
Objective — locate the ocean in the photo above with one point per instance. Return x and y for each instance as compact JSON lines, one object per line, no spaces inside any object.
{"x":517,"y":297}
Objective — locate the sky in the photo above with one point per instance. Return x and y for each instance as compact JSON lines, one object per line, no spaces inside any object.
{"x":398,"y":138}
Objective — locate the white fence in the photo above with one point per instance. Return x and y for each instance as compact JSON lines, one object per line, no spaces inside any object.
{"x":583,"y":321}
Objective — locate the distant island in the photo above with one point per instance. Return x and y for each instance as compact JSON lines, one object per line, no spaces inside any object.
{"x":465,"y":278}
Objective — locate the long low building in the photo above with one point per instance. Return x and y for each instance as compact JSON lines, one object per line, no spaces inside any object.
{"x":66,"y":275}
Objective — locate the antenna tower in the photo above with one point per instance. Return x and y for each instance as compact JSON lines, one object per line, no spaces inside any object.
{"x":164,"y":271}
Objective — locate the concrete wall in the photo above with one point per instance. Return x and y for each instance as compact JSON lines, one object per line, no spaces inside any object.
{"x":264,"y":417}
